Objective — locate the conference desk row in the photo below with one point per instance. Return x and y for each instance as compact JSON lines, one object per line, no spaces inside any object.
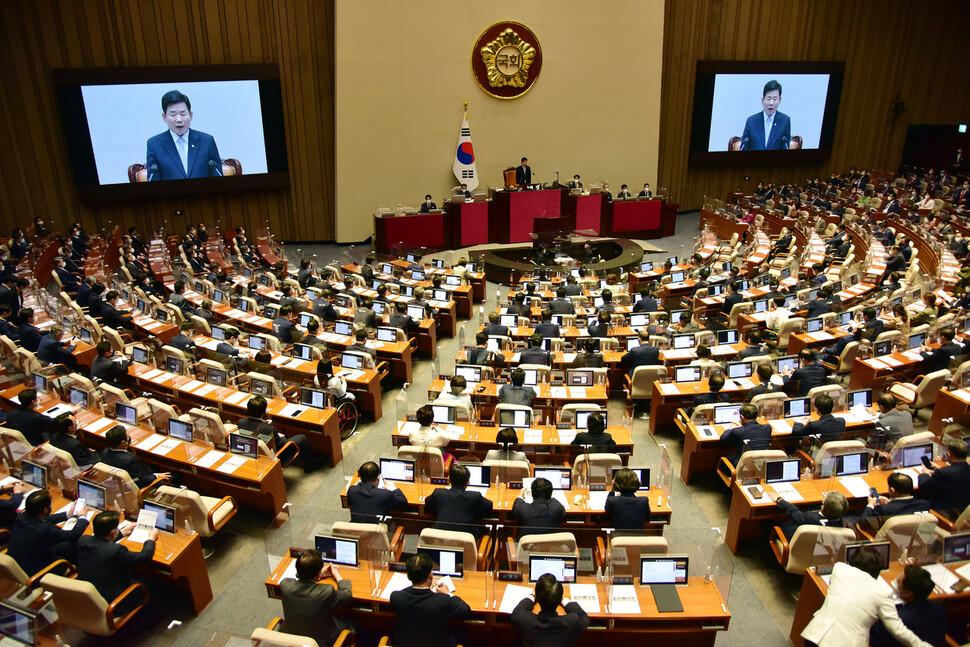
{"x":510,"y":216}
{"x":549,"y":399}
{"x":619,"y":614}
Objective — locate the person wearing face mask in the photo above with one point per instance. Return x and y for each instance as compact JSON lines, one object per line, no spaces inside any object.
{"x":427,"y":206}
{"x":180,"y":152}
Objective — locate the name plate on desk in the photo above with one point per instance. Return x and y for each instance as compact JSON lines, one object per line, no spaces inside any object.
{"x":397,"y":567}
{"x":509,"y":576}
{"x":486,"y":423}
{"x":439,"y":480}
{"x":564,"y":425}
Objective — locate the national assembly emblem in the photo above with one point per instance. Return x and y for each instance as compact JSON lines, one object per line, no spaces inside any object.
{"x":506,"y":60}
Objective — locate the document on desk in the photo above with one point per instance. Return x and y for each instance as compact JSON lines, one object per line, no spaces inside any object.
{"x":964,"y":571}
{"x":236,"y":398}
{"x":144,"y":525}
{"x":707,"y":431}
{"x":454,"y":432}
{"x":678,"y":354}
{"x":578,"y":392}
{"x":165,"y":447}
{"x":892,"y":361}
{"x":566,"y":436}
{"x":296,"y":362}
{"x":398,"y":582}
{"x":670,"y":388}
{"x":206,"y":390}
{"x":943,"y":577}
{"x":568,"y":358}
{"x":532,"y":436}
{"x":148,"y":443}
{"x":152,"y":374}
{"x":586,"y":596}
{"x":788,"y":492}
{"x":279,"y":359}
{"x":516,"y":357}
{"x":876,"y":363}
{"x":780,"y":426}
{"x":191,"y":385}
{"x":624,"y":599}
{"x":746,"y":383}
{"x":233,"y":464}
{"x":58,"y":409}
{"x":96,"y":426}
{"x":209,"y":459}
{"x":597,"y":500}
{"x":911,"y":472}
{"x":558,"y":392}
{"x":408,"y":427}
{"x":560,"y":496}
{"x":856,"y":485}
{"x":913,"y":355}
{"x":352,"y":374}
{"x":512,"y":596}
{"x":292,"y":410}
{"x":962,"y":394}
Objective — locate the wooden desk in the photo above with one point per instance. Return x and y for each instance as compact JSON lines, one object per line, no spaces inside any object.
{"x":486,"y":396}
{"x":637,"y":218}
{"x":511,"y":219}
{"x":814,"y":340}
{"x":704,"y":610}
{"x":587,"y":211}
{"x":878,"y":372}
{"x":953,"y":404}
{"x":669,"y":397}
{"x":413,"y":231}
{"x":467,"y":222}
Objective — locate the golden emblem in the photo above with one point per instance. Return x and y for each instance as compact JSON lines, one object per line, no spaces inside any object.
{"x":507,"y":60}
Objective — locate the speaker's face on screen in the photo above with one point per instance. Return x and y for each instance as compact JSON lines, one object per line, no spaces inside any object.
{"x":179,"y":118}
{"x":770,"y":102}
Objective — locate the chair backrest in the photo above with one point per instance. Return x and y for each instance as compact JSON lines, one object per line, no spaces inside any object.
{"x":216,"y":427}
{"x":641,"y":383}
{"x":597,"y":466}
{"x":10,"y":570}
{"x":433,"y":538}
{"x":372,"y":534}
{"x":560,"y":543}
{"x":262,"y":635}
{"x":509,"y":470}
{"x":201,"y":325}
{"x":789,"y":327}
{"x":197,"y":509}
{"x":427,"y":460}
{"x":836,"y":391}
{"x":78,"y":604}
{"x":918,"y":438}
{"x":543,"y":372}
{"x":277,"y":393}
{"x":511,"y":407}
{"x":462,"y":411}
{"x":899,"y":530}
{"x":808,"y":539}
{"x":737,"y":310}
{"x":569,"y":411}
{"x":929,"y":388}
{"x":751,"y":461}
{"x":129,"y":490}
{"x":111,"y":392}
{"x":628,"y":549}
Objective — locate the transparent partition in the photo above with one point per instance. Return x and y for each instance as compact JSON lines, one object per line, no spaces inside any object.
{"x":907,"y":536}
{"x":665,"y":476}
{"x":910,"y":454}
{"x":841,"y":458}
{"x":819,"y":546}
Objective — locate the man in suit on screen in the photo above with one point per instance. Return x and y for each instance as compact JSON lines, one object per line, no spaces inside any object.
{"x":179,"y":152}
{"x":768,"y":130}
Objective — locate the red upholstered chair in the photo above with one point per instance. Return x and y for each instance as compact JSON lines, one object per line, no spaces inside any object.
{"x":231,"y":166}
{"x":734,"y":144}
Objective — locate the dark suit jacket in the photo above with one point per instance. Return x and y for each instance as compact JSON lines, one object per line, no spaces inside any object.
{"x":827,"y":427}
{"x":757,"y":435}
{"x":599,"y":330}
{"x":896,"y":263}
{"x":108,"y":370}
{"x":82,"y":455}
{"x":539,"y":517}
{"x":642,"y":355}
{"x":478,"y":356}
{"x":496,"y":329}
{"x":52,"y":351}
{"x":809,"y":377}
{"x":30,"y":337}
{"x":182,"y":342}
{"x":308,"y":608}
{"x":561,"y":306}
{"x":523,"y":175}
{"x":456,"y":509}
{"x":648,"y":304}
{"x":926,"y":619}
{"x":801,"y":518}
{"x":948,"y":489}
{"x":548,"y":629}
{"x":422,"y":617}
{"x":425,"y":207}
{"x":816,"y":308}
{"x":34,"y":425}
{"x":600,"y":442}
{"x":588,"y":360}
{"x":163,"y":161}
{"x":107,"y":564}
{"x":283,"y":328}
{"x":940,"y":357}
{"x":729,"y":302}
{"x":535,"y":355}
{"x":35,"y":543}
{"x":753,"y":137}
{"x":367,"y":502}
{"x":897,"y":506}
{"x":629,"y":512}
{"x":137,"y":470}
{"x":548,"y":330}
{"x":510,"y":394}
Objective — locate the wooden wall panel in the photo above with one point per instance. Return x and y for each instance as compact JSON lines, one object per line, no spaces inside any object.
{"x":38,"y":36}
{"x":894,"y":48}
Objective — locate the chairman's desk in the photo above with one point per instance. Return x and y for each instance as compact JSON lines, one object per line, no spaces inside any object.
{"x":319,"y":425}
{"x":747,"y":513}
{"x":815,"y":588}
{"x":703,"y":448}
{"x":178,"y":556}
{"x":365,"y":384}
{"x":705,"y":612}
{"x":543,"y":444}
{"x":255,"y":483}
{"x":548,"y":398}
{"x":410,"y":231}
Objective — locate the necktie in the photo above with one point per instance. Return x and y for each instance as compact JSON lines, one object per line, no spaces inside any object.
{"x":183,"y":153}
{"x":768,"y":129}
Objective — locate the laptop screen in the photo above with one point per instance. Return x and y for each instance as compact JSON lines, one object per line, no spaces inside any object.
{"x":862,"y":398}
{"x":180,"y":429}
{"x":882,"y":547}
{"x":513,"y":418}
{"x":444,"y":414}
{"x":663,"y":570}
{"x":687,"y":374}
{"x":416,"y":312}
{"x":216,"y":376}
{"x":784,"y":471}
{"x":675,"y":316}
{"x":93,"y":495}
{"x":915,"y":341}
{"x":79,"y":397}
{"x":472,"y":374}
{"x":40,"y":383}
{"x":531,"y":376}
{"x":243,"y":445}
{"x":852,"y":464}
{"x":797,"y":407}
{"x":912,"y":456}
{"x":814,"y":325}
{"x":632,"y":342}
{"x":643,"y":474}
{"x":676,"y":277}
{"x":639,"y":320}
{"x":956,"y":548}
{"x":337,"y":550}
{"x":260,"y":387}
{"x":683,"y":341}
{"x":218,"y":332}
{"x":728,"y":414}
{"x":726,"y":337}
{"x":761,"y":306}
{"x":126,"y":414}
{"x":787,"y":362}
{"x":479,"y":475}
{"x":579,"y":378}
{"x":17,"y":625}
{"x":164,"y":515}
{"x":351,"y":360}
{"x":256,"y":342}
{"x":737,"y":370}
{"x":174,"y":365}
{"x":397,"y":469}
{"x":560,"y":477}
{"x":562,"y":567}
{"x":34,"y":474}
{"x":444,"y":561}
{"x":343,"y":328}
{"x":387,"y":334}
{"x":313,"y":398}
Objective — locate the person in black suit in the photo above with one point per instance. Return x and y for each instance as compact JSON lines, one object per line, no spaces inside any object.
{"x":117,"y":455}
{"x":308,"y":602}
{"x":827,"y":427}
{"x":323,"y":307}
{"x":589,"y":358}
{"x":255,"y":422}
{"x":283,"y":327}
{"x":34,"y":425}
{"x":809,"y":375}
{"x":602,"y":326}
{"x":732,"y":298}
{"x":479,"y":355}
{"x":535,"y":354}
{"x":754,"y":347}
{"x":180,"y":152}
{"x":456,"y":508}
{"x":646,"y":192}
{"x":546,"y":328}
{"x":939,"y":358}
{"x":372,"y":498}
{"x":428,"y":206}
{"x":68,"y":280}
{"x":896,"y":262}
{"x":102,"y":561}
{"x":769,"y":129}
{"x":715,"y":382}
{"x":494,"y":326}
{"x":29,"y":335}
{"x":834,"y":507}
{"x":105,"y":368}
{"x":899,"y":501}
{"x":647,"y":302}
{"x":572,"y":287}
{"x":627,"y":510}
{"x":561,"y":305}
{"x":765,"y":372}
{"x":182,"y":341}
{"x":401,"y":319}
{"x":749,"y":436}
{"x":548,"y":628}
{"x":948,"y":488}
{"x":924,"y":617}
{"x":7,"y":329}
{"x":424,"y":609}
{"x":9,"y":506}
{"x":642,"y":355}
{"x":623,"y":192}
{"x":892,"y":206}
{"x":595,"y":436}
{"x":575,"y":183}
{"x":52,"y":351}
{"x":515,"y":392}
{"x":36,"y":541}
{"x":523,"y":173}
{"x":544,"y":514}
{"x":820,"y":305}
{"x":64,"y":437}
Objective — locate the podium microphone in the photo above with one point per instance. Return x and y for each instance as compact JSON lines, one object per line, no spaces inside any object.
{"x":214,"y":169}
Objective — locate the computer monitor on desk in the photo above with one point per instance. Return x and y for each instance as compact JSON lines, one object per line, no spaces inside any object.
{"x":738,"y":370}
{"x":397,"y":469}
{"x":337,"y":550}
{"x":416,"y":312}
{"x":783,"y":471}
{"x":912,"y":455}
{"x":663,"y":569}
{"x":881,"y":547}
{"x":563,"y":567}
{"x":797,"y":407}
{"x":560,"y":477}
{"x":787,"y":363}
{"x":956,"y":547}
{"x":445,"y":561}
{"x":683,"y":341}
{"x":687,"y":374}
{"x":727,"y":415}
{"x":139,"y":354}
{"x":814,"y":325}
{"x":472,"y":374}
{"x":727,"y":337}
{"x":514,"y":418}
{"x":852,"y":464}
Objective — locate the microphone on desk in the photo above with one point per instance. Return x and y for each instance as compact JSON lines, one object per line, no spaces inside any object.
{"x":214,"y":168}
{"x":152,"y":172}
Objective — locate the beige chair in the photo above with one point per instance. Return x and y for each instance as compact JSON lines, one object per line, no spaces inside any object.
{"x":269,"y":379}
{"x":208,"y":514}
{"x":557,"y":543}
{"x":80,"y":606}
{"x":462,"y":412}
{"x":161,"y":412}
{"x":829,"y":450}
{"x":923,"y":391}
{"x":428,"y":461}
{"x":846,"y":358}
{"x":627,"y":550}
{"x":543,"y":372}
{"x":201,"y":325}
{"x":131,"y":495}
{"x":919,"y":438}
{"x":790,"y":327}
{"x":947,"y":526}
{"x":899,"y":530}
{"x":597,"y":466}
{"x":112,"y":395}
{"x":769,"y":402}
{"x":371,"y":537}
{"x":835,"y":391}
{"x":474,"y":554}
{"x":512,"y":407}
{"x":749,"y":464}
{"x":569,"y":411}
{"x":217,"y":430}
{"x":10,"y":571}
{"x":639,"y":386}
{"x":15,"y":447}
{"x":273,"y":636}
{"x":731,"y":321}
{"x":809,"y":545}
{"x":509,"y":470}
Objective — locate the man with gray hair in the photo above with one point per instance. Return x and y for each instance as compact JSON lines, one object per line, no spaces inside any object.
{"x":834,"y":507}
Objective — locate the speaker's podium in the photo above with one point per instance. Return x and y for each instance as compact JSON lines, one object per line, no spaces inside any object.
{"x":511,"y":221}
